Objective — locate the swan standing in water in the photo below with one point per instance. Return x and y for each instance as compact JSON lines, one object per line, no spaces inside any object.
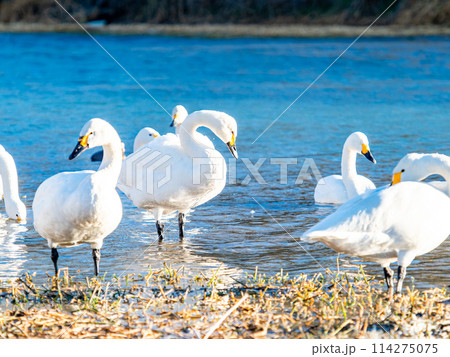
{"x":395,"y":223}
{"x":73,"y":208}
{"x":9,"y":185}
{"x":337,"y":189}
{"x":176,"y":175}
{"x":179,"y":114}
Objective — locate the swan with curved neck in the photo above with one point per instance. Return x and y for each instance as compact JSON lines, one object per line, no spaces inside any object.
{"x":179,"y":114}
{"x":337,"y":189}
{"x":73,"y":208}
{"x":393,"y":223}
{"x":417,"y":167}
{"x":183,"y":173}
{"x":15,"y":208}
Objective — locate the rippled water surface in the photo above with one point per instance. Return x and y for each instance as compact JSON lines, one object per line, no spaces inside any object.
{"x":394,"y":90}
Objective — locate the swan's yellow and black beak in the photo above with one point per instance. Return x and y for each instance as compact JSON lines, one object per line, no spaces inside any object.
{"x":232,"y":146}
{"x":173,"y":121}
{"x":366,"y":152}
{"x":80,"y":147}
{"x":397,"y":178}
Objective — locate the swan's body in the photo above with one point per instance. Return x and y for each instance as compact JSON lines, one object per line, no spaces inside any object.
{"x":178,"y":173}
{"x":9,"y":185}
{"x":395,"y":223}
{"x":337,"y":189}
{"x":179,"y":114}
{"x":72,"y":208}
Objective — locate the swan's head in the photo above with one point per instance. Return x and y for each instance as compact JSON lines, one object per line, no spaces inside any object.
{"x":416,"y":167}
{"x":227,"y":131}
{"x":16,"y":209}
{"x":145,"y":136}
{"x":358,"y":142}
{"x":96,"y":132}
{"x":179,"y":113}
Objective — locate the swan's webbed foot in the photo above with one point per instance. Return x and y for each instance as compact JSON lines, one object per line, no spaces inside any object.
{"x":160,"y":229}
{"x":96,"y":255}
{"x":389,"y":275}
{"x":401,"y":277}
{"x":55,"y":256}
{"x":181,"y":221}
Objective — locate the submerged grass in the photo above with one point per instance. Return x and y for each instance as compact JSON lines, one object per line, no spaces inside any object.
{"x":168,"y":303}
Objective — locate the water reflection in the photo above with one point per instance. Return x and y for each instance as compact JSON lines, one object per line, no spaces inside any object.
{"x":13,"y":253}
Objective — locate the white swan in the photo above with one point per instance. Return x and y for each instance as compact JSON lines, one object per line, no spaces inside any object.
{"x":176,"y":175}
{"x":179,"y":114}
{"x":395,"y":223}
{"x":72,"y":208}
{"x":337,"y":189}
{"x":146,"y":135}
{"x":15,"y":208}
{"x":415,"y":173}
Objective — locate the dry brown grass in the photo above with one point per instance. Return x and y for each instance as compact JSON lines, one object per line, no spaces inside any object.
{"x":166,"y":303}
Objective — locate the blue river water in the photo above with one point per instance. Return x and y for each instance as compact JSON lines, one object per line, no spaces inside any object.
{"x":395,"y":90}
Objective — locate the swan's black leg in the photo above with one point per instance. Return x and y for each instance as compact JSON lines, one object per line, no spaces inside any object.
{"x":96,"y":256}
{"x":388,"y":275}
{"x":55,"y":256}
{"x":160,"y":229}
{"x":401,"y":277}
{"x":181,"y":220}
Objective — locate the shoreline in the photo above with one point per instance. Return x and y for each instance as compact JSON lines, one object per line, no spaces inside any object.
{"x":233,"y":30}
{"x":166,"y":303}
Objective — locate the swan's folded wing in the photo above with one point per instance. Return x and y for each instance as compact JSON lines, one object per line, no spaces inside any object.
{"x":362,"y":237}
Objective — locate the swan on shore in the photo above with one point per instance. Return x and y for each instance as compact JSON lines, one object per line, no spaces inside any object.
{"x":72,"y":208}
{"x":337,"y":189}
{"x":392,"y":223}
{"x":178,"y":173}
{"x":9,"y":186}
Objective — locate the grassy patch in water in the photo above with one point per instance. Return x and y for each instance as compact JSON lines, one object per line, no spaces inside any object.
{"x":169,"y":303}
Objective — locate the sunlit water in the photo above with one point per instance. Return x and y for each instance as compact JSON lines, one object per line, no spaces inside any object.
{"x":394,"y":90}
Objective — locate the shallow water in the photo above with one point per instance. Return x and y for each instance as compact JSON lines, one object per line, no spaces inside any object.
{"x":394,"y":90}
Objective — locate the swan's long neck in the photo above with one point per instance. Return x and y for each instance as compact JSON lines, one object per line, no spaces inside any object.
{"x":187,"y":130}
{"x":111,"y":165}
{"x":8,"y":173}
{"x":438,"y":165}
{"x":348,"y":170}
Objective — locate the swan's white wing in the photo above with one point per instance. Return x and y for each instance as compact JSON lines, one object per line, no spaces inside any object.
{"x":50,"y":220}
{"x":69,"y":210}
{"x":161,"y":175}
{"x":330,"y":190}
{"x":363,"y":184}
{"x":409,"y":216}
